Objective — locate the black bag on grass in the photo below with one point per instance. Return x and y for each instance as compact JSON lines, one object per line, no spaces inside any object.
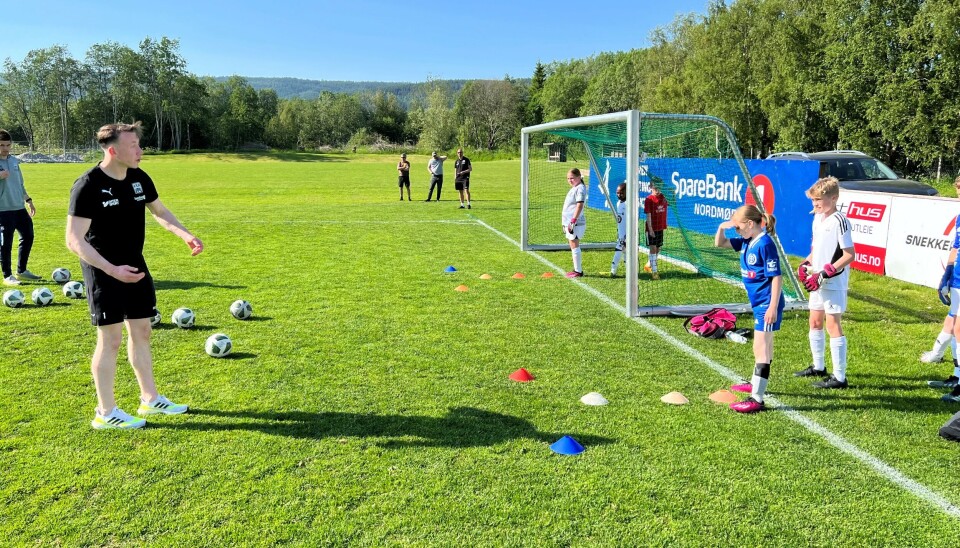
{"x":951,"y":430}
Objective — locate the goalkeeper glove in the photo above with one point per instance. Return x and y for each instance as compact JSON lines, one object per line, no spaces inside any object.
{"x":943,"y":290}
{"x":802,"y":272}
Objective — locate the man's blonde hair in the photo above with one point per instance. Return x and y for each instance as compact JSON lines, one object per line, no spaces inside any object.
{"x":825,"y":186}
{"x":110,"y":133}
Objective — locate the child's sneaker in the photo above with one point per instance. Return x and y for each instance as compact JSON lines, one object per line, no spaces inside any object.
{"x":745,"y":387}
{"x":811,"y":372}
{"x":161,"y":405}
{"x":949,"y":382}
{"x":952,"y":397}
{"x":748,"y":405}
{"x":574,"y":274}
{"x":931,"y":356}
{"x":832,"y":382}
{"x":116,"y":420}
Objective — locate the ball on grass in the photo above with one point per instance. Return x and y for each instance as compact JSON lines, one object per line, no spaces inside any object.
{"x":218,"y":345}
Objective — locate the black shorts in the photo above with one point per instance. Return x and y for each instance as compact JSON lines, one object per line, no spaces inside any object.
{"x":112,"y":301}
{"x":403,"y":181}
{"x":461,"y":185}
{"x":656,"y":239}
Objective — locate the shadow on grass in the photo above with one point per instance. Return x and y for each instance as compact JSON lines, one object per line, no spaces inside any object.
{"x":461,"y":427}
{"x":161,"y":285}
{"x":926,"y":403}
{"x":921,"y":316}
{"x":239,"y":356}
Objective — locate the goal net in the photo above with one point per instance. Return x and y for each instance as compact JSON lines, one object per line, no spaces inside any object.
{"x":695,"y":162}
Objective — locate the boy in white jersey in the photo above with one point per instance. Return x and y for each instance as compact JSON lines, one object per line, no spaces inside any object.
{"x":825,"y":275}
{"x":621,"y":228}
{"x":574,"y":219}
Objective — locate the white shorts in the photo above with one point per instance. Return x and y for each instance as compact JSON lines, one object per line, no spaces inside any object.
{"x":831,"y":301}
{"x":954,"y":300}
{"x":578,"y":232}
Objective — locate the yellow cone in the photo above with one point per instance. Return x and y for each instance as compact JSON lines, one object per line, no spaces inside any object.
{"x":674,"y":398}
{"x":486,"y":277}
{"x":461,"y":288}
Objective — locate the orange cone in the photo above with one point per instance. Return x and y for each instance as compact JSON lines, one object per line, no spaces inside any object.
{"x":521,"y":375}
{"x":723,"y":396}
{"x":518,"y":276}
{"x":461,"y":288}
{"x":486,"y":277}
{"x":675,"y":398}
{"x":547,"y":275}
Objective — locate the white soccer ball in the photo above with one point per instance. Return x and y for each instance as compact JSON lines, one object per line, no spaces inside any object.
{"x":74,"y":290}
{"x":13,"y":298}
{"x":183,"y":318}
{"x":218,"y":345}
{"x":42,"y":296}
{"x":61,"y":276}
{"x":156,"y":319}
{"x":241,"y":309}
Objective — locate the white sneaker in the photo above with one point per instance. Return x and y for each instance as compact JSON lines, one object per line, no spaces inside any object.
{"x":116,"y":420}
{"x":11,"y":280}
{"x":161,"y":405}
{"x":930,"y":356}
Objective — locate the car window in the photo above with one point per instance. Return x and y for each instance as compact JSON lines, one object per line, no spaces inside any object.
{"x":875,"y":169}
{"x":845,"y":170}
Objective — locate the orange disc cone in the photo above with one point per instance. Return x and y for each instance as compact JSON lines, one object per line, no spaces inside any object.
{"x":521,"y":375}
{"x":486,"y":277}
{"x":461,"y":288}
{"x":547,"y":275}
{"x":723,"y":396}
{"x":518,"y":276}
{"x":675,"y":398}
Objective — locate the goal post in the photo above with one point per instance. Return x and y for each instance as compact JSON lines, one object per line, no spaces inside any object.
{"x":695,"y":162}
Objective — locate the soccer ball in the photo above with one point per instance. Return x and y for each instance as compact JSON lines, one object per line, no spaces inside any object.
{"x":183,"y":318}
{"x":218,"y":345}
{"x":13,"y":298}
{"x":156,"y":319}
{"x":74,"y":290}
{"x":61,"y":276}
{"x":241,"y":309}
{"x":42,"y":296}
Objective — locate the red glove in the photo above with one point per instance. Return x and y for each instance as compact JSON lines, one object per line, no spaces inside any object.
{"x":812,"y":283}
{"x":802,"y":273}
{"x":829,"y":271}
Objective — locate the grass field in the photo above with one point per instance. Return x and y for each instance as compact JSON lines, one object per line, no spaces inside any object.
{"x":368,"y":402}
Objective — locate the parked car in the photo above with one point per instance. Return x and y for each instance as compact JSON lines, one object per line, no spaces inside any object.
{"x":858,"y":171}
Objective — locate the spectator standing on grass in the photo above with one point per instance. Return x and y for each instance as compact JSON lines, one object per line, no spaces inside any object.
{"x":14,"y":217}
{"x":463,"y":168}
{"x":574,"y":219}
{"x":403,"y":171}
{"x":760,"y":267}
{"x":105,"y":229}
{"x":825,"y":275}
{"x":435,"y":167}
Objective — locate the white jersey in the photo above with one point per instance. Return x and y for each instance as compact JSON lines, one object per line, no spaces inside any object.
{"x":621,"y":221}
{"x":577,"y":194}
{"x":831,"y":235}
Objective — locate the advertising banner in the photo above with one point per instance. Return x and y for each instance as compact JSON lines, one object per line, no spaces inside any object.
{"x":919,"y":239}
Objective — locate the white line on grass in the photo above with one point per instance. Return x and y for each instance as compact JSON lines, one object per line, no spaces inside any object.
{"x":895,"y":476}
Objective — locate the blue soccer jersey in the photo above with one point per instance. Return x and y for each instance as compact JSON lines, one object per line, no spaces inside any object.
{"x":955,"y":282}
{"x":759,"y":265}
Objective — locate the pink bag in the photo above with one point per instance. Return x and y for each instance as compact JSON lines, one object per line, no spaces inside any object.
{"x":711,"y":325}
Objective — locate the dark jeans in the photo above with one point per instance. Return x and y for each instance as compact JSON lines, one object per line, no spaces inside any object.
{"x":435,"y":181}
{"x":20,"y":222}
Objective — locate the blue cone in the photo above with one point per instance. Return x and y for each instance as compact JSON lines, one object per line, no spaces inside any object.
{"x":450,"y":269}
{"x":567,"y":446}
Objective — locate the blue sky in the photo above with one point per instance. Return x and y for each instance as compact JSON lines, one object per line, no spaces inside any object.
{"x":373,"y":40}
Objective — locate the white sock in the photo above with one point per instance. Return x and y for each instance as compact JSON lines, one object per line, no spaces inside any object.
{"x":838,"y":353}
{"x":817,"y":343}
{"x":953,"y":346}
{"x":759,"y":385}
{"x":956,"y":370}
{"x":653,"y":262}
{"x":577,"y":260}
{"x":943,"y":339}
{"x":617,"y":257}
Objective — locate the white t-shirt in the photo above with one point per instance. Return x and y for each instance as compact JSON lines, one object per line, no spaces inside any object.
{"x":831,"y":235}
{"x":622,"y":222}
{"x":577,"y":194}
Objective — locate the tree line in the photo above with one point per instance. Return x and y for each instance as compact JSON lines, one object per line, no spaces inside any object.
{"x":877,"y":75}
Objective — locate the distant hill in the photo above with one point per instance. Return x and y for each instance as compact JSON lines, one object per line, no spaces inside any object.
{"x":288,"y":88}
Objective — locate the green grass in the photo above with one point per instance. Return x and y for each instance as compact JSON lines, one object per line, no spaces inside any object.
{"x":368,"y":403}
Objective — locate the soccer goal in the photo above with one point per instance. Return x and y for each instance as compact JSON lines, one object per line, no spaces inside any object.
{"x":695,"y":162}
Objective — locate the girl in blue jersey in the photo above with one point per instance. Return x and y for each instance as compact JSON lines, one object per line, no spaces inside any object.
{"x":760,"y":268}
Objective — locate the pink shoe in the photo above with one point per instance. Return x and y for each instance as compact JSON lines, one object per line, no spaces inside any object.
{"x":748,"y":405}
{"x":745,"y":387}
{"x":574,"y":274}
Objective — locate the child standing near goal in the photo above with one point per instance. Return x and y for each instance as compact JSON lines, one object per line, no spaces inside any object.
{"x":825,"y":275}
{"x":574,"y":219}
{"x":621,"y":228}
{"x":655,"y":207}
{"x":760,"y":267}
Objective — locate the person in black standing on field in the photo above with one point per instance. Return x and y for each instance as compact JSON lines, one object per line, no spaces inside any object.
{"x":403,"y":170}
{"x":463,"y":168}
